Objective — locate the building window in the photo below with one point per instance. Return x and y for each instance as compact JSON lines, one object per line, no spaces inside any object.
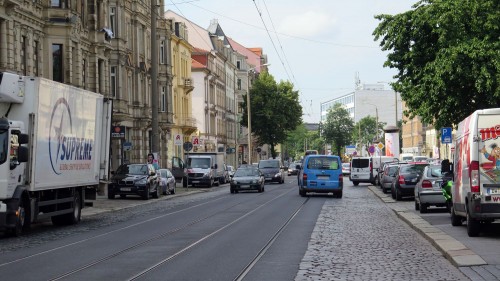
{"x":162,"y":51}
{"x":129,"y":88}
{"x":59,"y":4}
{"x":35,"y":58}
{"x":84,"y":73}
{"x":23,"y":55}
{"x":238,"y":64}
{"x":113,"y":81}
{"x":112,"y":20}
{"x":238,"y":84}
{"x":57,"y":63}
{"x":163,"y":99}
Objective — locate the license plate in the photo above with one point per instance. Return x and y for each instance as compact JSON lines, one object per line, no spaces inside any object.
{"x":493,"y":190}
{"x":195,"y":181}
{"x":354,"y":176}
{"x":320,"y":177}
{"x":125,"y":189}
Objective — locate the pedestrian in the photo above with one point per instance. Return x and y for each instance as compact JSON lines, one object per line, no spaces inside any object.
{"x":152,"y":161}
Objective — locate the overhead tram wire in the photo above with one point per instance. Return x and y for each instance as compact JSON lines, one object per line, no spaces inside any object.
{"x":272,"y":41}
{"x":281,"y":46}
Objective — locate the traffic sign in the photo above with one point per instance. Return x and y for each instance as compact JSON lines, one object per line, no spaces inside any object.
{"x":380,"y":146}
{"x":196,"y":141}
{"x":371,"y":149}
{"x":127,"y":146}
{"x":446,"y":135}
{"x":188,"y":146}
{"x":178,"y":139}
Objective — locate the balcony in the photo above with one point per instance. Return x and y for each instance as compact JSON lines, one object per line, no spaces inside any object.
{"x":188,"y":125}
{"x":188,"y":85}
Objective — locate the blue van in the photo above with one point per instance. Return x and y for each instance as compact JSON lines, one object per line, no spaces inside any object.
{"x":321,"y":174}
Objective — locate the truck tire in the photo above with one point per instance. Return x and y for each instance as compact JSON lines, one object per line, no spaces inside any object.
{"x":23,"y":222}
{"x":355,"y":183}
{"x":184,"y":182}
{"x":473,"y":226}
{"x":455,"y":220}
{"x":73,"y":217}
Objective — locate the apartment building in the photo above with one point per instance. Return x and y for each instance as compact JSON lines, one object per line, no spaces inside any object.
{"x":105,"y":47}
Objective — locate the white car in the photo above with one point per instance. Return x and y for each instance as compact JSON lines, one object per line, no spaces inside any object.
{"x":346,"y":169}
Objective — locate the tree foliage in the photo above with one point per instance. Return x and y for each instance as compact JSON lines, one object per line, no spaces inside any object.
{"x":275,"y":110}
{"x":366,"y":131}
{"x":447,"y":54}
{"x":338,"y":127}
{"x":301,"y":139}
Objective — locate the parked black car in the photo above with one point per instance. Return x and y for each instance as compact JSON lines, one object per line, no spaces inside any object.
{"x":406,"y":178}
{"x":135,"y":179}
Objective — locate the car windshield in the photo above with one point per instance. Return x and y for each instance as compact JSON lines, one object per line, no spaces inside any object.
{"x":323,"y":163}
{"x":246,"y":172}
{"x":133,"y":169}
{"x":269,"y":164}
{"x":346,"y":165}
{"x":203,"y":163}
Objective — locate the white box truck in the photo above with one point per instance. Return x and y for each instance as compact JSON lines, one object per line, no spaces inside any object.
{"x":206,"y":168}
{"x":54,"y":150}
{"x":476,"y":171}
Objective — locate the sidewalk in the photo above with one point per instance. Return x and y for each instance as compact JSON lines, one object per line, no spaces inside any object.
{"x":452,"y":249}
{"x":103,"y":204}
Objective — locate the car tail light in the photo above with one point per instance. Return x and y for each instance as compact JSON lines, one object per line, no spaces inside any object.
{"x":341,"y":179}
{"x":426,"y":184}
{"x":474,"y":176}
{"x":304,"y":177}
{"x":401,"y":180}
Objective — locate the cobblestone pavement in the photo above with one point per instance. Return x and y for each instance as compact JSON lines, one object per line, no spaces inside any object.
{"x":359,"y":238}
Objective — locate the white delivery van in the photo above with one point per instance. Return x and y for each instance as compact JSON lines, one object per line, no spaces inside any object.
{"x":476,"y":171}
{"x":361,"y":170}
{"x":406,"y":157}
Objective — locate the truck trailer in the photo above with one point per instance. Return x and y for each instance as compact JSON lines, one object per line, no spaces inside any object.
{"x":54,"y":150}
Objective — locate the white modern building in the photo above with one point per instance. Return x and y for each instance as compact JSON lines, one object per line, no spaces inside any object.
{"x":369,"y":100}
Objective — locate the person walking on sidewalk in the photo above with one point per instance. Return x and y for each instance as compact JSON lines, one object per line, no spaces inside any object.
{"x":152,"y":161}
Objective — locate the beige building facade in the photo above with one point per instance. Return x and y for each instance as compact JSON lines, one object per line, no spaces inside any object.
{"x":105,"y":47}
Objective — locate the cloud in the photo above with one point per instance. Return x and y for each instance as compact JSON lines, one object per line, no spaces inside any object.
{"x":308,"y":24}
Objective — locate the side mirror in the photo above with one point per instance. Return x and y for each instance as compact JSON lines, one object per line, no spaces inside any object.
{"x":22,"y":154}
{"x":23,"y":139}
{"x":215,"y":166}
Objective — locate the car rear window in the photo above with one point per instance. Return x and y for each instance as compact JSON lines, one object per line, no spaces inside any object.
{"x":409,"y":169}
{"x":269,"y":164}
{"x":360,"y":163}
{"x":324,"y":163}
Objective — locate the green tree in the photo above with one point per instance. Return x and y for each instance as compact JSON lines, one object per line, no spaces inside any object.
{"x":275,"y":110}
{"x":337,"y":129}
{"x":447,"y":56}
{"x":366,"y":131}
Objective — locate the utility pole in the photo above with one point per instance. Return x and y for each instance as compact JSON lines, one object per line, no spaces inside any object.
{"x":154,"y":80}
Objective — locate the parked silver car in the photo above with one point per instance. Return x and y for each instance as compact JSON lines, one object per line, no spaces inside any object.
{"x":387,"y":176}
{"x":428,"y":189}
{"x":167,"y":181}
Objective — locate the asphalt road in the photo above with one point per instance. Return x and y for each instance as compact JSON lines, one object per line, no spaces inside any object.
{"x":215,"y":235}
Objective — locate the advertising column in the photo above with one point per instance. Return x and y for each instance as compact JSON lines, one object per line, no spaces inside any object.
{"x":391,"y":141}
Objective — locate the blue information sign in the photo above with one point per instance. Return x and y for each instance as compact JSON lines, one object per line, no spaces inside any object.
{"x":446,"y":135}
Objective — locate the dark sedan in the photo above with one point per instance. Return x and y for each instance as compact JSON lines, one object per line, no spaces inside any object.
{"x":406,"y":178}
{"x":135,"y":179}
{"x":247,"y":178}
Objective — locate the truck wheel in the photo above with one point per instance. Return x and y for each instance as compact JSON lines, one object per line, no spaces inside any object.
{"x":184,"y":182}
{"x":355,"y":183}
{"x":473,"y":226}
{"x":455,"y":220}
{"x":302,"y":192}
{"x":70,"y":218}
{"x":22,"y":221}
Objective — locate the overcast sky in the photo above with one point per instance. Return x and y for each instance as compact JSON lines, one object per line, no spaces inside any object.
{"x":318,"y":45}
